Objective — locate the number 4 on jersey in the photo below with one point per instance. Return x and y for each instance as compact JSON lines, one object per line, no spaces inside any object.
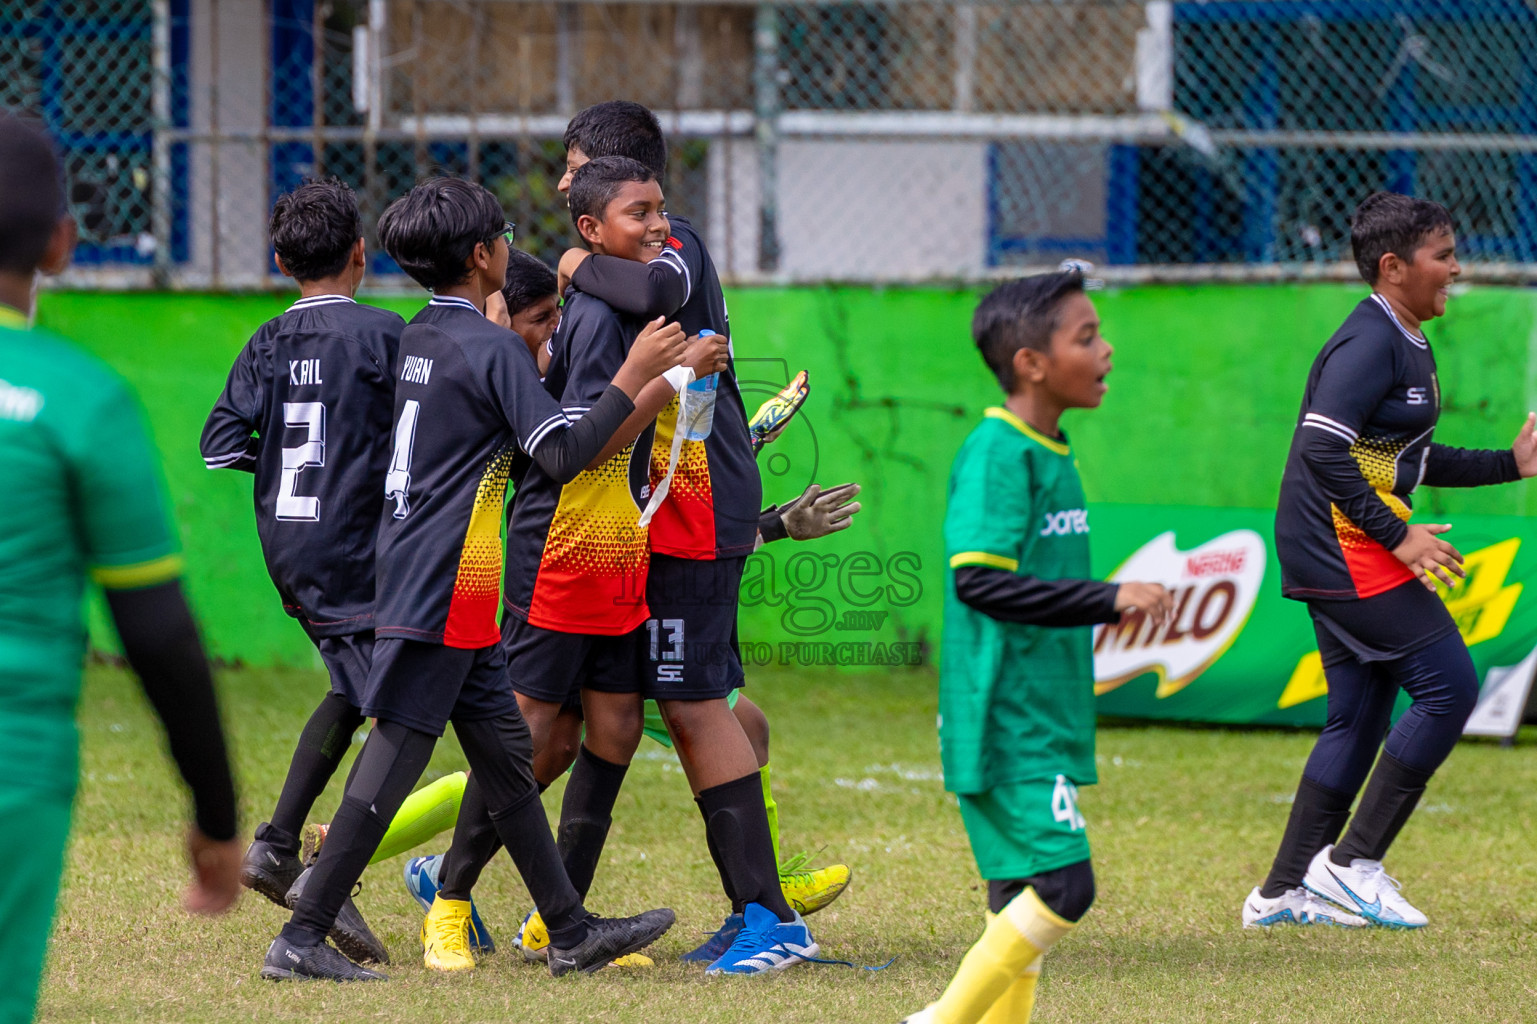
{"x":1064,"y":804}
{"x":397,"y":483}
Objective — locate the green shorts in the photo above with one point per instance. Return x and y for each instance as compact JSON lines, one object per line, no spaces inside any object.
{"x":1025,"y":828}
{"x":34,"y":827}
{"x":657,"y":729}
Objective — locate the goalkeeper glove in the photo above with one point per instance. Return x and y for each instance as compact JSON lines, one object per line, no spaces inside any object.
{"x":772,"y":415}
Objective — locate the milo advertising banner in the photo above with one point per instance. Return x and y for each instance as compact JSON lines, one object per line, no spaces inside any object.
{"x":1236,"y":650}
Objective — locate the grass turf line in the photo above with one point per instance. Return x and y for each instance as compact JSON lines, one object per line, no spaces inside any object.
{"x":1183,"y":824}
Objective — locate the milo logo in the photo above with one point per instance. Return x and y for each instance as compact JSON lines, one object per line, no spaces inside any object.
{"x":1215,"y":587}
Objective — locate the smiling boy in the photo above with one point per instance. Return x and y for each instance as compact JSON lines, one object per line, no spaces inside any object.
{"x":1362,"y":444}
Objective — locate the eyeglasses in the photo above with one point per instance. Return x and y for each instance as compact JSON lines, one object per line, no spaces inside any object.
{"x":508,"y":229}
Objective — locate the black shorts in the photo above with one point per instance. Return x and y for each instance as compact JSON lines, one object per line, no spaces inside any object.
{"x":426,"y":685}
{"x":552,"y":666}
{"x":691,"y":648}
{"x":347,"y":659}
{"x":1384,"y":627}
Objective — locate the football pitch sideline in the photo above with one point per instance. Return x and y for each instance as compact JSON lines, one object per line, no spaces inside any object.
{"x":1183,"y":824}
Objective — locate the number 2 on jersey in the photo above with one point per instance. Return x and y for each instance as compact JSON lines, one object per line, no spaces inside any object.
{"x":397,"y":483}
{"x":311,"y":418}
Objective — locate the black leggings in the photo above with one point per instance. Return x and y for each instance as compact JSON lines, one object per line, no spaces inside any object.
{"x":1067,"y":892}
{"x":1441,"y":679}
{"x":390,"y":764}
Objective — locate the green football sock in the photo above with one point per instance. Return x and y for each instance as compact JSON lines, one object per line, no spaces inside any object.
{"x":427,"y":812}
{"x":772,"y":808}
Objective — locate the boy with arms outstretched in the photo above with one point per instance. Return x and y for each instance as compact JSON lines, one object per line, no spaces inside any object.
{"x":307,"y":409}
{"x":1016,"y":683}
{"x":1361,"y":446}
{"x":467,"y":394}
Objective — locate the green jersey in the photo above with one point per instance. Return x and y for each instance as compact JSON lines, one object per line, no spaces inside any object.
{"x":1016,"y":702}
{"x":85,"y":497}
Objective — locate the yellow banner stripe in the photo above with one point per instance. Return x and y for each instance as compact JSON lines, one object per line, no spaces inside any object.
{"x":983,"y":558}
{"x":141,"y":574}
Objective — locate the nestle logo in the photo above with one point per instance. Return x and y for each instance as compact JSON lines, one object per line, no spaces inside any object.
{"x":1215,"y":563}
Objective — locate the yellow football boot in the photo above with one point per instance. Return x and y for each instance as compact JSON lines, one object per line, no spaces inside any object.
{"x":446,"y":936}
{"x":808,"y":891}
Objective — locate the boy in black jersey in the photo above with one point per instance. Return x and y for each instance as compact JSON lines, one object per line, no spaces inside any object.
{"x":307,"y":409}
{"x":576,"y":558}
{"x":710,"y":521}
{"x":467,"y":394}
{"x":1362,"y":445}
{"x":528,"y":304}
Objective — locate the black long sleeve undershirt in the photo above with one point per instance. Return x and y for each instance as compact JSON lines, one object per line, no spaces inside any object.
{"x":565,"y":453}
{"x":771,"y":525}
{"x":646,"y":290}
{"x":161,"y":644}
{"x":1009,"y":597}
{"x":1469,"y":467}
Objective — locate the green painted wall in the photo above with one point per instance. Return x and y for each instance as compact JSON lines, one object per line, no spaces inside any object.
{"x":1206,"y":385}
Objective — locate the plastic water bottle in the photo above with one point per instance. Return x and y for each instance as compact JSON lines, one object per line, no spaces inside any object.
{"x":700,"y":404}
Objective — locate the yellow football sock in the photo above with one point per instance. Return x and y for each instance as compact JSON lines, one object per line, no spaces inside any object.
{"x":427,"y":812}
{"x":772,"y":808}
{"x":1018,"y":1000}
{"x":1012,"y":942}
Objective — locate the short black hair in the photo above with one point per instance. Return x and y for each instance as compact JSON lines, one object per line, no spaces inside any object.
{"x":314,"y":228}
{"x":619,"y":128}
{"x":1388,"y":222}
{"x":598,"y":181}
{"x":432,"y":230}
{"x":31,"y":194}
{"x":529,"y":279}
{"x":1020,"y":314}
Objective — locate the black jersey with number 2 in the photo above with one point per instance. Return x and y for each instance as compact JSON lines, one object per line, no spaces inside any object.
{"x":307,"y":409}
{"x":1361,"y":446}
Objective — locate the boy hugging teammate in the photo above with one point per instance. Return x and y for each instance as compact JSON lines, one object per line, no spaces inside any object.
{"x":307,"y":409}
{"x":576,"y":568}
{"x":1016,"y":677}
{"x":467,"y":394}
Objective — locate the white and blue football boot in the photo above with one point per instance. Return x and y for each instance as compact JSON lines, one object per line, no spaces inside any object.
{"x":1362,"y":888}
{"x":1295,"y":906}
{"x":422,"y":883}
{"x":766,"y":944}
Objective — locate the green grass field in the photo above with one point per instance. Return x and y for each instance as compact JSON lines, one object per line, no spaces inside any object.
{"x":1183,"y":824}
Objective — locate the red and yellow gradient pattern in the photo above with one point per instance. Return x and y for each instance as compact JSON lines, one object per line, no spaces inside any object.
{"x":1373,"y":569}
{"x":592,"y":575}
{"x":477,"y":587}
{"x":684,"y":526}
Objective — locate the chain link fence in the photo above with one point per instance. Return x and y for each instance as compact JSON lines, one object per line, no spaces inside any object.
{"x":905,"y":140}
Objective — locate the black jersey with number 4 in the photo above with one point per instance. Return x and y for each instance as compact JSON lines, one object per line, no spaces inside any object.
{"x":713,"y":501}
{"x":1361,"y":446}
{"x":307,"y":409}
{"x":467,"y":394}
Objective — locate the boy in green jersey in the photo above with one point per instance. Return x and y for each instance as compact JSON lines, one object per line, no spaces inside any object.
{"x":1016,"y":677}
{"x":86,"y":500}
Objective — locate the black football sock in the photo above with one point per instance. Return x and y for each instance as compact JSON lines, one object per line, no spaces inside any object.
{"x":1391,"y":795}
{"x":391,"y":763}
{"x":1318,"y":813}
{"x":475,"y":843}
{"x":720,"y":866}
{"x":586,"y":815}
{"x":322,"y":745}
{"x":526,"y":833}
{"x":500,"y":756}
{"x":736,"y":820}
